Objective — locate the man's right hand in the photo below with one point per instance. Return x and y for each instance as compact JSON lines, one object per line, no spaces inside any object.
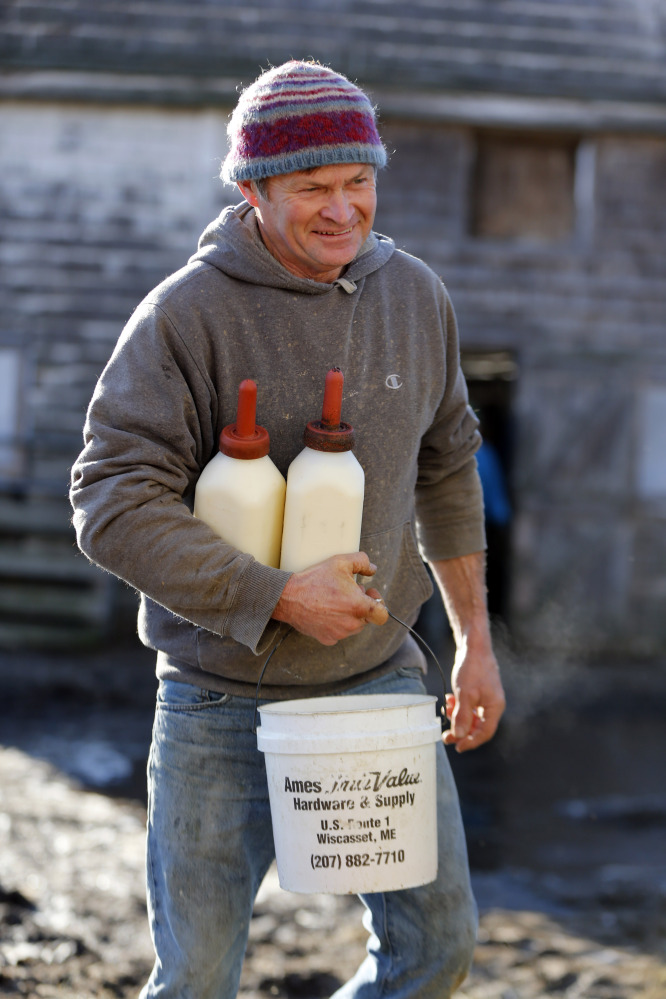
{"x":326,"y":603}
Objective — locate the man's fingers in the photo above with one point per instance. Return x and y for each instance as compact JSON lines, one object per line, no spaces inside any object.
{"x":361,"y":565}
{"x":464,"y":737}
{"x":449,"y":705}
{"x":462,"y":717}
{"x":377,"y":613}
{"x":464,"y":734}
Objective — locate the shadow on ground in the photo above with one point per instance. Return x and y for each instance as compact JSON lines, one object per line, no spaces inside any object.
{"x":565,"y":814}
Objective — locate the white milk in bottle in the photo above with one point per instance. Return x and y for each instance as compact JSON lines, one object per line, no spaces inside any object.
{"x":325,"y":486}
{"x":240,"y":493}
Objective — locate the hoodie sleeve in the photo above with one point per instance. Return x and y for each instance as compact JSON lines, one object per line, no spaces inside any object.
{"x":449,"y":500}
{"x":148,"y":434}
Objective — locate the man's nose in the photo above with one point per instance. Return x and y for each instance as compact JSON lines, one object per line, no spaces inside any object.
{"x":337,"y":207}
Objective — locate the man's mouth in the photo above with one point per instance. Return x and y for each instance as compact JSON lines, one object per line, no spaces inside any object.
{"x":331,"y":232}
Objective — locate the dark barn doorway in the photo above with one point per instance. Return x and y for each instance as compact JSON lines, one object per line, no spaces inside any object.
{"x":491,"y":378}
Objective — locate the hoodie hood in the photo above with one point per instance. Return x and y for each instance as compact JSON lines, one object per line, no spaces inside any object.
{"x":232,"y":243}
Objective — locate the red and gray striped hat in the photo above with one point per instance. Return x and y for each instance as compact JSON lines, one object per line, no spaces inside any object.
{"x":297,"y":116}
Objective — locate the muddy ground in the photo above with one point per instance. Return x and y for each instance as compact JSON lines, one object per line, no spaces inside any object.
{"x":565,"y":814}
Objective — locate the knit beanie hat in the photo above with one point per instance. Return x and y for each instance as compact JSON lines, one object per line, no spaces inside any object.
{"x":297,"y":116}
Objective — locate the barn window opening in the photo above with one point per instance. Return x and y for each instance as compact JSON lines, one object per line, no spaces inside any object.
{"x":11,"y":449}
{"x":523,"y":188}
{"x":651,"y":456}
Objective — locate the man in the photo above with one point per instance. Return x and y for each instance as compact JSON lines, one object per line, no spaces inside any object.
{"x":283,"y":287}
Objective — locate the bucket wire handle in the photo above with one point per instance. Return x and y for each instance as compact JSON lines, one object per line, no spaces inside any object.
{"x":392,"y":616}
{"x":425,"y":646}
{"x":261,"y":676}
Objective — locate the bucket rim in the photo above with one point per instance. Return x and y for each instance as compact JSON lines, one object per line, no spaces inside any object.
{"x":347,"y":743}
{"x":346,"y":704}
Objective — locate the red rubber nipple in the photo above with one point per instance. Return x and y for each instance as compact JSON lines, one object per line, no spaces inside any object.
{"x":244,"y":439}
{"x":330,"y":433}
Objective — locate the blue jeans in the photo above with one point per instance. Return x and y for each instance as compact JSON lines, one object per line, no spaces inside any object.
{"x":210,"y":843}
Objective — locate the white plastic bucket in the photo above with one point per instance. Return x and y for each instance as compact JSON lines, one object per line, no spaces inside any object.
{"x":352,"y":786}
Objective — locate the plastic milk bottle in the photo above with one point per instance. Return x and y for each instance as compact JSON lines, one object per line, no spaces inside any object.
{"x":240,"y":493}
{"x":325,"y":485}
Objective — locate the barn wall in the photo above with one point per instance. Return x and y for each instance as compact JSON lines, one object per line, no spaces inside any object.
{"x":99,"y":203}
{"x":97,"y":206}
{"x":582,"y":308}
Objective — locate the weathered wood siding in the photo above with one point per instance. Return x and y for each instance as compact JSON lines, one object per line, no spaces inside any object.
{"x":529,"y":170}
{"x":98,"y":205}
{"x":585,"y":316}
{"x":609,"y":49}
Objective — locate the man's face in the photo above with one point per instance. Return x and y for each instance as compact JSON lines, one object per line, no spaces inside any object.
{"x":314,"y":222}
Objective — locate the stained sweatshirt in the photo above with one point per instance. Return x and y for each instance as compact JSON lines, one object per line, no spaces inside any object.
{"x":171,"y":385}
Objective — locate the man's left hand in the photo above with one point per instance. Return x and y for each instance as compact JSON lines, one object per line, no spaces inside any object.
{"x":477,"y":702}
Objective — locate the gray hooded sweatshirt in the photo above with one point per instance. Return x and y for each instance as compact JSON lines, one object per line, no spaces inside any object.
{"x":171,"y":385}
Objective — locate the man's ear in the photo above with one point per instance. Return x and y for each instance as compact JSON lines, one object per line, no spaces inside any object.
{"x":248,"y":190}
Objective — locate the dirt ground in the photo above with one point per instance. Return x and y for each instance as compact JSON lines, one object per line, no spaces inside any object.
{"x":566,"y":821}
